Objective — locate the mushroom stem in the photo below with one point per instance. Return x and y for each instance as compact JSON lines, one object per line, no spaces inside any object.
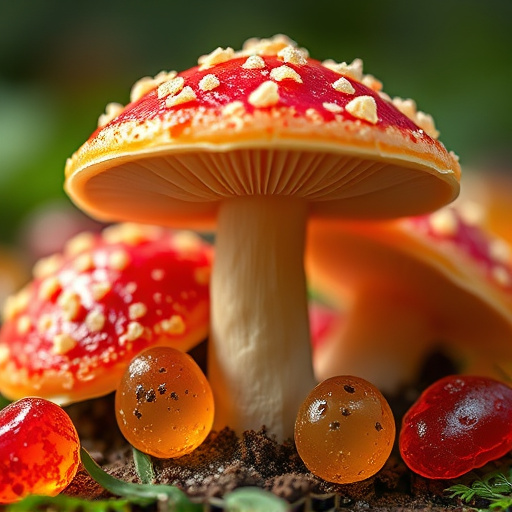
{"x":383,"y":338}
{"x":260,"y":364}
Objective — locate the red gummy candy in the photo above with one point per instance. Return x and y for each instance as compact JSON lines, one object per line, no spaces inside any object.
{"x":39,"y":449}
{"x":459,"y":423}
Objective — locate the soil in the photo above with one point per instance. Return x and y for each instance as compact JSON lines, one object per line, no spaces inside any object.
{"x":225,"y":462}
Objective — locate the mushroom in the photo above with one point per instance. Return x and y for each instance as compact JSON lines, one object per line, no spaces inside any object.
{"x":69,"y":334}
{"x":410,"y":286}
{"x":323,"y":319}
{"x":256,"y":141}
{"x":487,"y":194}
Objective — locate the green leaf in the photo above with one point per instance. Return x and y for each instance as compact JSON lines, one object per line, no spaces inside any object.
{"x":3,"y":402}
{"x":495,"y":487}
{"x":461,"y":491}
{"x":176,"y":498}
{"x":143,"y":466}
{"x":254,"y":499}
{"x":502,"y":504}
{"x":64,"y":503}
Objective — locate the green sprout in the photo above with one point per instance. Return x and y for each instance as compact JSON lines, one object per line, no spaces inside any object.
{"x":494,"y":487}
{"x":147,"y":495}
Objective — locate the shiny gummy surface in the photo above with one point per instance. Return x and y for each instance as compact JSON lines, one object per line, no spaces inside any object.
{"x":345,"y":430}
{"x":458,"y":423}
{"x":39,"y":449}
{"x":164,"y":404}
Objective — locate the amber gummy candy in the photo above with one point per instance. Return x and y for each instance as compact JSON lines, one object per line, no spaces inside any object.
{"x":164,"y":404}
{"x":39,"y":449}
{"x":345,"y":430}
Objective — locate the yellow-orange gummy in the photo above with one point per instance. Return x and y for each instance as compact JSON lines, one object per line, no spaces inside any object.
{"x":164,"y":404}
{"x":345,"y":430}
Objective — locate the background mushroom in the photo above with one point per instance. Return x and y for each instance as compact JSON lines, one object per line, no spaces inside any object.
{"x":487,"y":195}
{"x":70,"y":333}
{"x":408,"y":287}
{"x":257,"y":140}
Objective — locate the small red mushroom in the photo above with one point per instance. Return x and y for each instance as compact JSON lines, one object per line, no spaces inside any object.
{"x":256,"y":141}
{"x":70,"y":333}
{"x":409,"y":286}
{"x":487,"y":194}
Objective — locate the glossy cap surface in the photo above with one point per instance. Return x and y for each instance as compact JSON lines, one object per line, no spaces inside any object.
{"x":267,"y":120}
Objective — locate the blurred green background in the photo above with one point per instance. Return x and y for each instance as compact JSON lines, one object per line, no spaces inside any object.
{"x":61,"y":62}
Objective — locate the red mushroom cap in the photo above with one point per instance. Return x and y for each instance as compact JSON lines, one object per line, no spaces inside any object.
{"x":69,"y":334}
{"x":292,"y":125}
